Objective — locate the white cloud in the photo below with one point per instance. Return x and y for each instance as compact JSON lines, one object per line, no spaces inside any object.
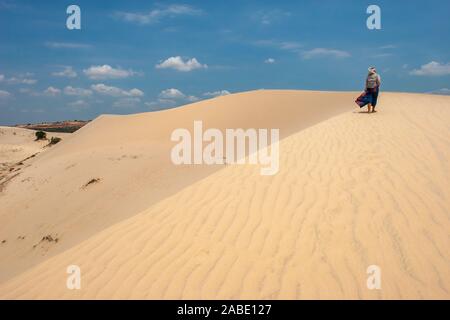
{"x":161,"y":104}
{"x":192,"y":98}
{"x":67,"y":72}
{"x":126,"y":103}
{"x":381,"y":55}
{"x":21,"y":80}
{"x":67,"y":45}
{"x":71,"y":91}
{"x":282,"y":45}
{"x":443,"y":91}
{"x":4,"y":94}
{"x":135,"y":93}
{"x":269,"y":60}
{"x":268,"y":17}
{"x":217,"y":93}
{"x":51,"y":91}
{"x":289,"y":45}
{"x":107,"y":72}
{"x":116,"y":92}
{"x":172,"y":93}
{"x":177,"y":63}
{"x":171,"y":97}
{"x":175,"y":94}
{"x":28,"y":81}
{"x":324,"y":52}
{"x":8,"y":5}
{"x":31,"y":92}
{"x":156,"y":15}
{"x":432,"y":69}
{"x":2,"y":77}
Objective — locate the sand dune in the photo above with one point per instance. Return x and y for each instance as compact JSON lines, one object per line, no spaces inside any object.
{"x":18,"y":143}
{"x":131,"y":157}
{"x":353,"y":190}
{"x":17,"y":147}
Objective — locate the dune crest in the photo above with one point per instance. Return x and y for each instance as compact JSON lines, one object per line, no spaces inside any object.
{"x":352,"y":191}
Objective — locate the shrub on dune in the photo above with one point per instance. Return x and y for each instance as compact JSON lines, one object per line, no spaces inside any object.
{"x":41,"y":135}
{"x":54,"y":140}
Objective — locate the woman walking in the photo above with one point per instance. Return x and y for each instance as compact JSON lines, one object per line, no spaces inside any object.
{"x":373,"y":82}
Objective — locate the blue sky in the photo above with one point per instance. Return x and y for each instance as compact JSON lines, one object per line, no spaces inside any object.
{"x":137,"y":56}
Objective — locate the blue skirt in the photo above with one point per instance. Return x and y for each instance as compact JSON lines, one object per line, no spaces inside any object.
{"x":368,"y":96}
{"x":373,"y":94}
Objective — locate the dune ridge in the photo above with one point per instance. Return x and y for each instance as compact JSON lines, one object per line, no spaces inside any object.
{"x":352,"y":191}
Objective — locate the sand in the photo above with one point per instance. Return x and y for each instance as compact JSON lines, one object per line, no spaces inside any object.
{"x":353,"y":190}
{"x":17,"y":147}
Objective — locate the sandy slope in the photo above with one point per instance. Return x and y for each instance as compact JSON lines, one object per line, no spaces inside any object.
{"x":17,"y":144}
{"x":17,"y":148}
{"x":131,"y":157}
{"x":352,"y":191}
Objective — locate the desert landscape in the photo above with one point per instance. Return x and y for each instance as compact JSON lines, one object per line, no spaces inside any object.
{"x":353,"y":190}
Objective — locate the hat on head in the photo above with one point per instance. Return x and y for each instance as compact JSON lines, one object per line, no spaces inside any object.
{"x":372,"y":69}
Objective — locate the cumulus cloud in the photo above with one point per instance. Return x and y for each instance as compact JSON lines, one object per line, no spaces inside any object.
{"x":171,"y":97}
{"x":2,"y":77}
{"x":71,"y":91}
{"x":217,"y":93}
{"x":269,"y":60}
{"x":22,"y":79}
{"x":4,"y":94}
{"x":107,"y":72}
{"x":51,"y":91}
{"x":156,"y":15}
{"x":171,"y":93}
{"x":135,"y":93}
{"x":67,"y":72}
{"x":432,"y":68}
{"x":192,"y":98}
{"x":116,"y":92}
{"x":177,"y":63}
{"x":324,"y":52}
{"x":175,"y":94}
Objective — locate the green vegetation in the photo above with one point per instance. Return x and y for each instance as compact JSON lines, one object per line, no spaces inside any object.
{"x":41,"y":135}
{"x":54,"y":140}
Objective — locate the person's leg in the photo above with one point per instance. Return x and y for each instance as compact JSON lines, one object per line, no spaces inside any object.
{"x":369,"y":106}
{"x":374,"y":100}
